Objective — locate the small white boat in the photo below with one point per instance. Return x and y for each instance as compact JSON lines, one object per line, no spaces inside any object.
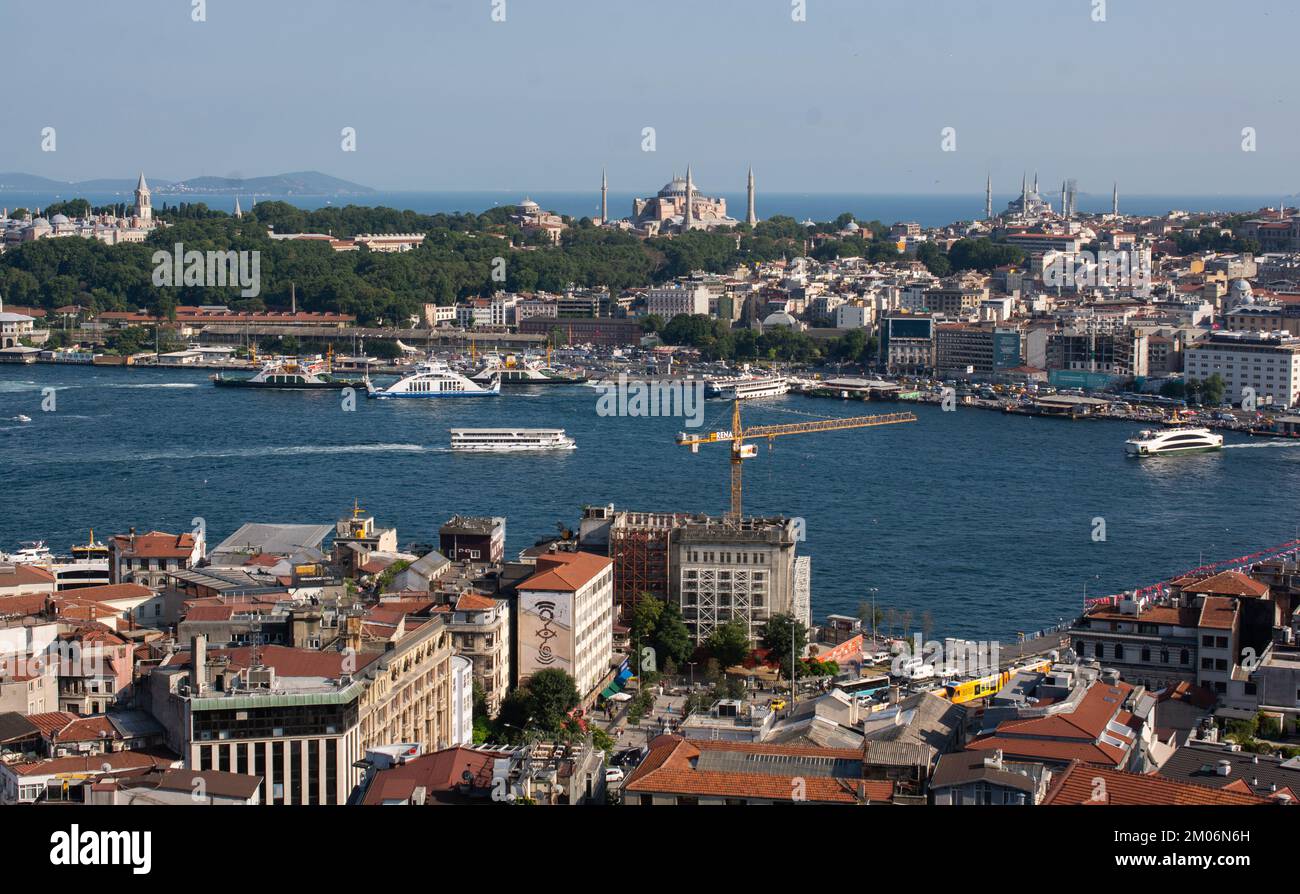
{"x":434,"y":378}
{"x":30,"y":552}
{"x":510,"y":440}
{"x":22,"y":417}
{"x":1173,"y":440}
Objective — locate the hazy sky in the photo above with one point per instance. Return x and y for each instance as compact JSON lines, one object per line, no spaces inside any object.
{"x":853,"y":99}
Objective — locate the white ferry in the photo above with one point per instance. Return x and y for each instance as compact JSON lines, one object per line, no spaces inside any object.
{"x":526,"y":370}
{"x":434,"y":378}
{"x":290,"y":373}
{"x":1173,"y":440}
{"x":30,"y":552}
{"x":499,"y":440}
{"x":746,"y":387}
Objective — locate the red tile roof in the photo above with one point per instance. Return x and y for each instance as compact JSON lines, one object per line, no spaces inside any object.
{"x":95,"y":764}
{"x":671,"y":768}
{"x":1081,"y":784}
{"x":155,"y":545}
{"x":474,"y":602}
{"x":438,"y":772}
{"x":27,"y":578}
{"x":23,"y":604}
{"x":88,"y":729}
{"x":108,"y":593}
{"x":565,"y":572}
{"x":1218,"y":612}
{"x":1077,"y":735}
{"x":50,"y":722}
{"x":1229,"y":583}
{"x":287,"y":661}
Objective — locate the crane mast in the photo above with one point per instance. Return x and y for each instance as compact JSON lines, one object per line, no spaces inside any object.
{"x":741,"y":451}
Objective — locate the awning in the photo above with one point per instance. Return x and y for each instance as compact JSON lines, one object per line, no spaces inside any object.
{"x":620,"y":697}
{"x":609,"y":691}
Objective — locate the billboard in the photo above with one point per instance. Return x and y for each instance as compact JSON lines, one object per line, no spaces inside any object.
{"x":1077,"y":378}
{"x":1006,"y":350}
{"x":545,"y":632}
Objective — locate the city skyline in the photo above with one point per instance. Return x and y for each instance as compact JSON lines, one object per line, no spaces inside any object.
{"x":547,"y":111}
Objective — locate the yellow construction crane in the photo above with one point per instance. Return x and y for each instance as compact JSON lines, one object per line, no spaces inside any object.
{"x":740,"y":451}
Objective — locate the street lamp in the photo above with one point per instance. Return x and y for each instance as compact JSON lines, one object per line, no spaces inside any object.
{"x":691,"y":665}
{"x":873,"y":591}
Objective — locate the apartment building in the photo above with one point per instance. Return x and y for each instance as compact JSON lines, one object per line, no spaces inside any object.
{"x":1265,"y":365}
{"x":566,"y":619}
{"x":669,"y":302}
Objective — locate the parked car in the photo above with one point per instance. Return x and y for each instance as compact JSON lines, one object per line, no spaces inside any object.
{"x":613,"y":775}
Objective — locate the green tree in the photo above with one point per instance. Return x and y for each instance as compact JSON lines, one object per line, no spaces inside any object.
{"x":783,"y":636}
{"x":728,"y":643}
{"x":672,"y":638}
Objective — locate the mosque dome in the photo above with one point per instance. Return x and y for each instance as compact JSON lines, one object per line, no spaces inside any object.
{"x":60,"y":219}
{"x":780,"y":318}
{"x":1240,"y":290}
{"x":677,"y":187}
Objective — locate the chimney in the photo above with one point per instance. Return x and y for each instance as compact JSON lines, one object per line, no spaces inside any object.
{"x":132,"y":538}
{"x":198,"y":663}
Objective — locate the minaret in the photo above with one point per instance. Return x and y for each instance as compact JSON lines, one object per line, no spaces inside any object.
{"x":1024,"y":192}
{"x":143,"y":204}
{"x":238,"y":211}
{"x":1114,"y":201}
{"x":604,"y":197}
{"x":750,"y":217}
{"x":689,"y":219}
{"x":1035,"y":183}
{"x":988,"y":197}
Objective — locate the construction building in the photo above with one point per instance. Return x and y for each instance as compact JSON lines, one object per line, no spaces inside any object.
{"x":715,"y":569}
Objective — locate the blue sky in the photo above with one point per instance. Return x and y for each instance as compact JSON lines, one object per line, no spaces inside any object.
{"x":853,"y":99}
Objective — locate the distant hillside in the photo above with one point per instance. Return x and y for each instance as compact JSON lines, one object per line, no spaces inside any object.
{"x":298,"y":183}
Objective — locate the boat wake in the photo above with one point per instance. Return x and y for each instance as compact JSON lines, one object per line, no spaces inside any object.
{"x":152,"y":385}
{"x":1262,"y":444}
{"x":295,"y":450}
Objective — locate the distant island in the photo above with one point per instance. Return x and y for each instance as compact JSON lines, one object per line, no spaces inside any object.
{"x":297,"y":183}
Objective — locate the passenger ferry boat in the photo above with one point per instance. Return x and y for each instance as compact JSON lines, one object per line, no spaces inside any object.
{"x":291,"y":373}
{"x":30,"y":552}
{"x":87,"y":566}
{"x":502,"y":440}
{"x":433,"y":378}
{"x":528,"y":371}
{"x":746,"y":387}
{"x":1173,"y":440}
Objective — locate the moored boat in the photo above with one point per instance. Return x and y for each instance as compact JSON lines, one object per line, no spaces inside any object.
{"x":526,"y":371}
{"x":289,"y":373}
{"x":434,"y":378}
